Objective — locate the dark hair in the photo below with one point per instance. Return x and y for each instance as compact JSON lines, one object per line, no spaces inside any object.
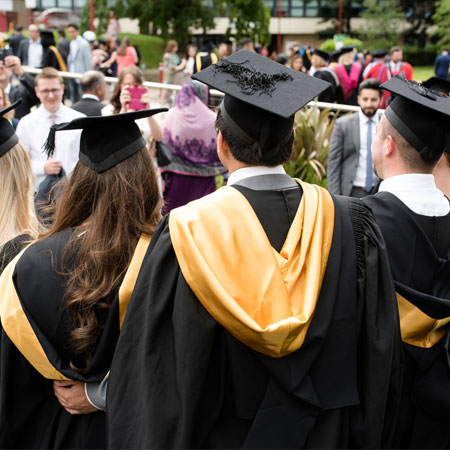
{"x":73,"y":25}
{"x":116,"y":207}
{"x":122,"y":50}
{"x":410,"y":156}
{"x":18,"y":28}
{"x":250,"y":154}
{"x":245,"y":41}
{"x":91,"y":80}
{"x":115,"y":96}
{"x":371,"y":83}
{"x":62,"y":32}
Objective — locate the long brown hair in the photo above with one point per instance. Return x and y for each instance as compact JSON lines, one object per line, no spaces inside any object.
{"x":108,"y":212}
{"x":122,"y":50}
{"x":138,"y":79}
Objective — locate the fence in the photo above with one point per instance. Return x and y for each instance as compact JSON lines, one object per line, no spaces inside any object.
{"x":173,"y":88}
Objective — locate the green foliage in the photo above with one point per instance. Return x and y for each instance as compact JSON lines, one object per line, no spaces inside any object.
{"x":330,"y":12}
{"x":312,"y":140}
{"x":151,"y":48}
{"x":329,"y":44}
{"x":101,"y":12}
{"x":420,"y":56}
{"x":248,"y":18}
{"x":418,"y":14}
{"x":441,"y":18}
{"x":382,"y":27}
{"x":172,"y":19}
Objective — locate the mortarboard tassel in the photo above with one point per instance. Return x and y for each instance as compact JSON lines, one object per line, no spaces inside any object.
{"x":49,"y":147}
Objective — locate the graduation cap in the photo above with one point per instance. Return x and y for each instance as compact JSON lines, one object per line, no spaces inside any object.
{"x":420,"y":115}
{"x":261,"y":97}
{"x":379,"y":53}
{"x":324,"y":55}
{"x":105,"y":140}
{"x":8,"y":137}
{"x":438,"y":84}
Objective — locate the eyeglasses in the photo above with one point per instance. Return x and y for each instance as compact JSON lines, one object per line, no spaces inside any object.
{"x":50,"y":91}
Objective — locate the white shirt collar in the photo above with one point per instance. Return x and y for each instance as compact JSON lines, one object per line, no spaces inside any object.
{"x":364,"y":119}
{"x":8,"y":89}
{"x":47,"y":113}
{"x":254,"y":171}
{"x":92,"y":96}
{"x":418,"y":192}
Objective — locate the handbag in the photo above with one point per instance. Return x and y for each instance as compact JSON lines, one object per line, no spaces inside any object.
{"x":163,"y":154}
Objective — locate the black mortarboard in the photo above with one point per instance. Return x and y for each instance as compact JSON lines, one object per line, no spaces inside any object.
{"x":105,"y":140}
{"x":438,"y":84}
{"x":8,"y":137}
{"x":379,"y":53}
{"x":346,"y":49}
{"x":261,"y":97}
{"x":420,"y":115}
{"x":323,"y":55}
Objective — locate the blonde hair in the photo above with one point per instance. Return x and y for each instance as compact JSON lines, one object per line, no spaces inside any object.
{"x":17,"y":213}
{"x":317,"y":61}
{"x":48,"y":73}
{"x":9,"y":115}
{"x":347,"y":58}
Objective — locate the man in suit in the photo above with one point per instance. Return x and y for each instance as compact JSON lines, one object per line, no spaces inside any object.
{"x":350,"y":169}
{"x":93,"y":87}
{"x":30,"y":50}
{"x":79,"y":60}
{"x":16,"y":39}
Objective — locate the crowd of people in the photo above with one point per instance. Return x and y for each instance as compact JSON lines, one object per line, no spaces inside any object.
{"x":142,"y":307}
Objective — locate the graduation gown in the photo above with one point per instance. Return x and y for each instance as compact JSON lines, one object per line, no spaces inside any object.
{"x":419,"y":254}
{"x":205,"y":359}
{"x":34,"y":350}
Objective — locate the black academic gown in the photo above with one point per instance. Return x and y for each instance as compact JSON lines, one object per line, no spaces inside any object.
{"x":419,"y":254}
{"x":180,"y":380}
{"x":30,"y":414}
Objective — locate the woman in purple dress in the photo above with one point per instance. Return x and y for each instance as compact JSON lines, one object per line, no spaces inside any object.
{"x":191,"y":136}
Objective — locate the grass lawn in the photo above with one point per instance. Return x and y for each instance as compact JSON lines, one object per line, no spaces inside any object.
{"x":151,"y":48}
{"x":422,"y":73}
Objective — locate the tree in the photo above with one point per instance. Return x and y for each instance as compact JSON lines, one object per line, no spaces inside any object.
{"x":171,"y":18}
{"x":442,"y":20}
{"x":350,"y":8}
{"x":418,"y":14}
{"x":248,"y":18}
{"x":101,"y":9}
{"x":383,"y":23}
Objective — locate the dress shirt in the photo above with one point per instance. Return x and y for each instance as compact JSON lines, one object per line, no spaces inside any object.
{"x":254,"y":171}
{"x":360,"y":178}
{"x":35,"y":53}
{"x":418,"y":192}
{"x":73,"y":51}
{"x":8,"y":89}
{"x":33,"y":130}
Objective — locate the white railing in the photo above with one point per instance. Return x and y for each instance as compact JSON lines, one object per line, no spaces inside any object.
{"x":175,"y":87}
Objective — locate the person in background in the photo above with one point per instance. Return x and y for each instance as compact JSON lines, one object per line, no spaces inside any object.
{"x":113,"y":28}
{"x":50,"y":55}
{"x":247,"y":44}
{"x":16,"y":39}
{"x":190,"y":134}
{"x":30,"y":50}
{"x":205,"y":56}
{"x":18,"y":222}
{"x":79,"y":60}
{"x":33,"y":129}
{"x":297,"y":63}
{"x":172,"y":61}
{"x":126,"y":55}
{"x":93,"y":87}
{"x":350,"y":169}
{"x":188,"y":70}
{"x":63,"y":45}
{"x":18,"y":84}
{"x":397,"y":66}
{"x":75,"y":286}
{"x":350,"y":75}
{"x":319,"y":62}
{"x":224,"y":50}
{"x":442,"y":65}
{"x":379,"y":70}
{"x":110,"y":65}
{"x":130,"y":77}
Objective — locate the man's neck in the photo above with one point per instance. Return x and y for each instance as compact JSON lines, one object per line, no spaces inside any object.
{"x":53,"y":110}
